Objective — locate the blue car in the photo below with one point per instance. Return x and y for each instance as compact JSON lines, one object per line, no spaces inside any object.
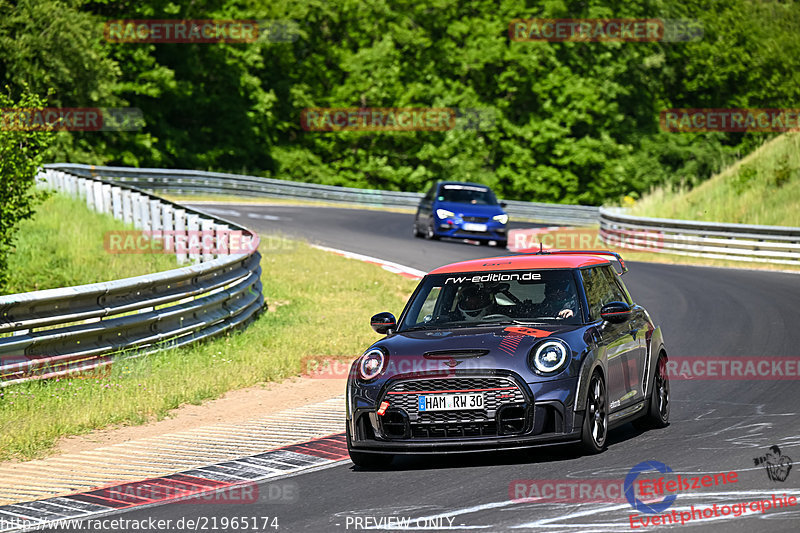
{"x":461,"y":210}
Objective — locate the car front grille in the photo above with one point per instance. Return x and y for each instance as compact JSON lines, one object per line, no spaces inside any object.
{"x":504,"y":403}
{"x":443,"y":431}
{"x":462,"y":234}
{"x":475,"y":219}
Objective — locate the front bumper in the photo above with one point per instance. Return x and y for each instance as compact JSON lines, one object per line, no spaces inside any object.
{"x":536,"y":414}
{"x":459,"y":229}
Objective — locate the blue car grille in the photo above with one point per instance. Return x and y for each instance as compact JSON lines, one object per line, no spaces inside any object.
{"x":475,"y":219}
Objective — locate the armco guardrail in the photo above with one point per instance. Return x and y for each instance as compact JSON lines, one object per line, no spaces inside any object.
{"x":714,"y":240}
{"x":195,"y":181}
{"x":59,"y":332}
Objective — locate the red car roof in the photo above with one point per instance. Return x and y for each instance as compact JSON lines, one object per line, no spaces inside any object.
{"x":521,"y":262}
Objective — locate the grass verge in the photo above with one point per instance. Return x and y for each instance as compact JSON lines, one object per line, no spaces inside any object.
{"x":762,"y":188}
{"x":62,"y":245}
{"x":320,"y":305}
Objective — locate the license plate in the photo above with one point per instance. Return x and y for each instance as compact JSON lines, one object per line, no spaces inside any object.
{"x":469,"y":226}
{"x":449,"y":402}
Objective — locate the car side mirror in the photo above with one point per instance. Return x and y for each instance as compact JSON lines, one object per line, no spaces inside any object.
{"x":503,"y":205}
{"x":615,"y":312}
{"x":382,"y":323}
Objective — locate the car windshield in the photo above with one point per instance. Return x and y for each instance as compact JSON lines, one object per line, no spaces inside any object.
{"x":474,"y":299}
{"x":466,"y":194}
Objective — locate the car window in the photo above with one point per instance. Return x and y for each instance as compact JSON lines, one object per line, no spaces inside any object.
{"x":428,"y":305}
{"x":466,"y":194}
{"x":620,"y":295}
{"x":469,"y":299}
{"x":431,"y":192}
{"x":599,"y":290}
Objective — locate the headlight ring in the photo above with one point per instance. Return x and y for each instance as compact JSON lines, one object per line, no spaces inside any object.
{"x":550,"y":356}
{"x":371,"y":364}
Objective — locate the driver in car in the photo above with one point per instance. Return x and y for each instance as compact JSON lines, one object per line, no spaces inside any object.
{"x":475,"y":302}
{"x":559,"y":300}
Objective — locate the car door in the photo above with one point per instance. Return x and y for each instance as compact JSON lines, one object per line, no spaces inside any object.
{"x":635,"y":364}
{"x":641,"y":327}
{"x":617,"y":340}
{"x":426,"y":205}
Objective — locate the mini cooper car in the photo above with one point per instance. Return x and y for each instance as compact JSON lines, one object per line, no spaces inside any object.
{"x":461,"y":210}
{"x":508,"y":352}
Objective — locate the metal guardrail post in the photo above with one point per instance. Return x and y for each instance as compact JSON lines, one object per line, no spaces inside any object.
{"x":207,"y":236}
{"x":144,"y":207}
{"x":127,"y":206}
{"x":116,"y":203}
{"x":193,"y":229}
{"x":180,"y":229}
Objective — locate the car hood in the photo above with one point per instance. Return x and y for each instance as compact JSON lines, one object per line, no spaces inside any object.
{"x":470,"y":209}
{"x":465,"y":349}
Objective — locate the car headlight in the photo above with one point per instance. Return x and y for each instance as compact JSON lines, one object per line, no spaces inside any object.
{"x":371,"y":364}
{"x":444,"y":213}
{"x":550,"y":356}
{"x":503,"y":219}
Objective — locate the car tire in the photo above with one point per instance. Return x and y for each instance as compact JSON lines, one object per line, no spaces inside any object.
{"x":430,"y":233}
{"x":416,"y":231}
{"x":501,"y":244}
{"x":595,"y":418}
{"x":368,"y":461}
{"x":658,"y":407}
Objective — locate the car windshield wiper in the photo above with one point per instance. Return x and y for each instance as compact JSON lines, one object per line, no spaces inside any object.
{"x":423,"y":326}
{"x":503,"y":323}
{"x":447,"y":325}
{"x":515,"y":321}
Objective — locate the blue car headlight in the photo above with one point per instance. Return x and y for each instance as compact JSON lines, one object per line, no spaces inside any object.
{"x":503,"y":219}
{"x":444,"y":213}
{"x":549,"y":356}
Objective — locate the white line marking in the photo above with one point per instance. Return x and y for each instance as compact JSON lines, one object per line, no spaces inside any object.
{"x":264,"y":217}
{"x":220,"y":211}
{"x":399,"y":269}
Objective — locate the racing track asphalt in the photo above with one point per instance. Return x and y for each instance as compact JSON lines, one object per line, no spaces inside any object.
{"x":716,"y":426}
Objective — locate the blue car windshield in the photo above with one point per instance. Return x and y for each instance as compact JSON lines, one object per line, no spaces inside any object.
{"x":474,"y":299}
{"x":466,"y":194}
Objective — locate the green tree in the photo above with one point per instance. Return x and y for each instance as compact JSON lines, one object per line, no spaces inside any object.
{"x":21,"y":154}
{"x":576,"y":121}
